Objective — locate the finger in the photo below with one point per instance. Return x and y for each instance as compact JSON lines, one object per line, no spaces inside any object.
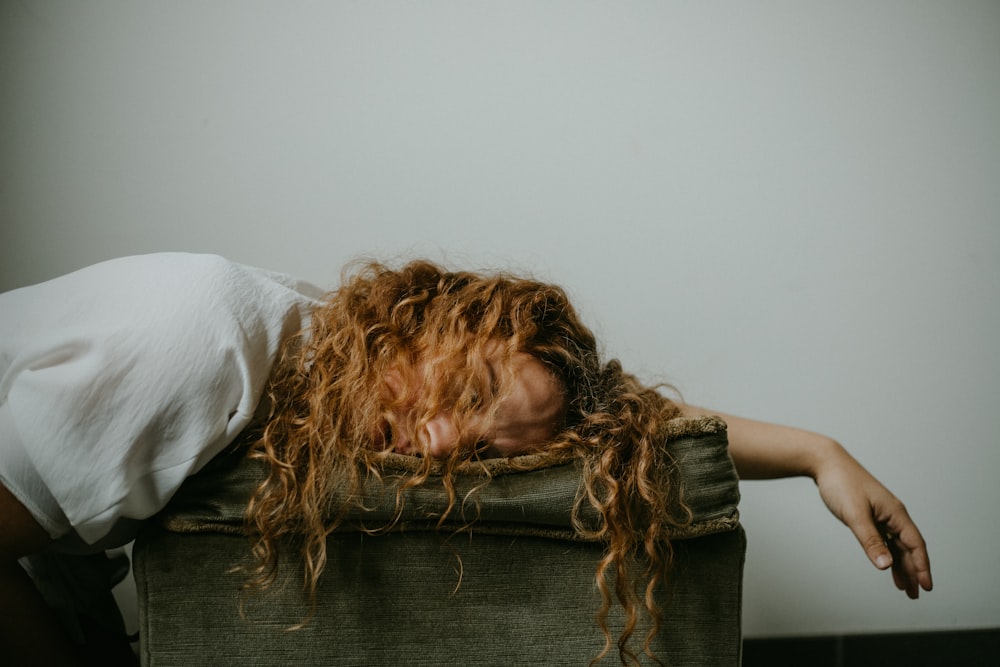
{"x":905,"y":581}
{"x":911,"y":568}
{"x":873,"y":543}
{"x":917,"y":567}
{"x":899,"y":578}
{"x":902,"y":574}
{"x":911,"y":565}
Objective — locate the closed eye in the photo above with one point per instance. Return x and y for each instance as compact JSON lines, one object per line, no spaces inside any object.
{"x":486,"y":450}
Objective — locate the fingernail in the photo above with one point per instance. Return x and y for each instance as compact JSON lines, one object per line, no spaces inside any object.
{"x":883,"y":561}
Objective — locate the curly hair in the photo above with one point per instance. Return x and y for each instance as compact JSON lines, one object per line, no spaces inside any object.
{"x":330,"y":414}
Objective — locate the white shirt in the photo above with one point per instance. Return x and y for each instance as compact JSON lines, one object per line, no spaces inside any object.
{"x":120,"y":380}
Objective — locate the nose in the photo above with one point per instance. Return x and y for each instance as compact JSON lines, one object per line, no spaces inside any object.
{"x":442,"y":435}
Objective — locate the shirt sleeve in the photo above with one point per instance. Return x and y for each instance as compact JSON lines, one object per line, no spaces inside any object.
{"x":124,"y":378}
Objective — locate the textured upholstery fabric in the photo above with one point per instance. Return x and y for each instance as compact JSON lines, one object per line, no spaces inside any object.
{"x":509,"y":583}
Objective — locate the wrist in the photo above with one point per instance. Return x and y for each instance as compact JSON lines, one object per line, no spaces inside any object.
{"x":823,"y":455}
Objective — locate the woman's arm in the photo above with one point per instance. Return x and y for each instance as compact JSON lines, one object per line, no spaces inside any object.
{"x":877,"y":518}
{"x":29,"y":632}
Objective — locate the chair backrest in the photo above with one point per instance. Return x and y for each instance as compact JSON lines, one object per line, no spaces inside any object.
{"x":506,"y":581}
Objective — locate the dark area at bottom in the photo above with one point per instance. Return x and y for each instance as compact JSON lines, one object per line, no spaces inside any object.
{"x":966,"y":648}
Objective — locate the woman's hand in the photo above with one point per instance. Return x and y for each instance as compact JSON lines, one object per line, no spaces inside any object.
{"x":877,"y":518}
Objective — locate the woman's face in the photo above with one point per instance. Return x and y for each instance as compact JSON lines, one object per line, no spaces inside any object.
{"x":527,"y":417}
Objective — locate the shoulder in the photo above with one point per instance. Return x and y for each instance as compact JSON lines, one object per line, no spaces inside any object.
{"x":144,"y":299}
{"x":169,"y":282}
{"x":150,"y":275}
{"x":161,"y":273}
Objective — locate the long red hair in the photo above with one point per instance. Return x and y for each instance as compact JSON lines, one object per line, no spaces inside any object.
{"x":328,"y":406}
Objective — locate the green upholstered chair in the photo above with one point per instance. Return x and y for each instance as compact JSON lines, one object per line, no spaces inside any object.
{"x":508,"y":583}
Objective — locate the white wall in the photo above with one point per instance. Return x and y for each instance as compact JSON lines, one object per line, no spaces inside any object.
{"x":791,"y":210}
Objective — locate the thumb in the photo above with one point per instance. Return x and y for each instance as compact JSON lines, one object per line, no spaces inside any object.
{"x":874,"y":544}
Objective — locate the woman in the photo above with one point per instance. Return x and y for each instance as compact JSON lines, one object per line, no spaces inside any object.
{"x":447,"y":366}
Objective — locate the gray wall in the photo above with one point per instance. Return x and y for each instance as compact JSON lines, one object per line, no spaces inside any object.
{"x":790,"y":210}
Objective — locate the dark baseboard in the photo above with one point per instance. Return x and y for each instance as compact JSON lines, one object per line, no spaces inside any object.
{"x":968,"y":648}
